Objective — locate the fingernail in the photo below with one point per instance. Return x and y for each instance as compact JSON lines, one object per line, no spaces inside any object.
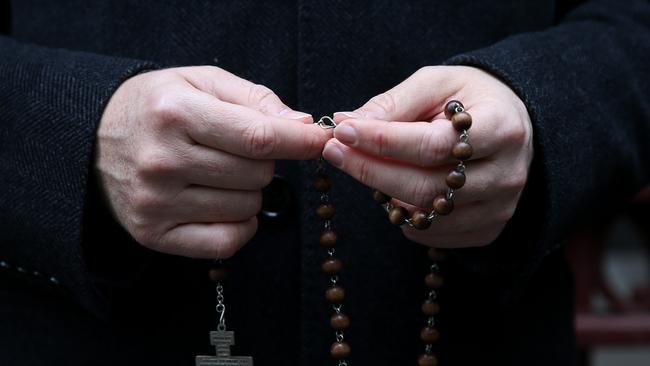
{"x":291,"y":114}
{"x":333,"y":154}
{"x":340,"y":116}
{"x":346,"y":134}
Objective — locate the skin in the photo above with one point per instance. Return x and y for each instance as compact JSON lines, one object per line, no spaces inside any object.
{"x":400,"y":143}
{"x":183,"y":153}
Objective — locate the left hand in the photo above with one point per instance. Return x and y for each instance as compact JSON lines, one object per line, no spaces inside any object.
{"x":400,"y":143}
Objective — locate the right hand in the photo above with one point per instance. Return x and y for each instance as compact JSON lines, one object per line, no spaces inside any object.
{"x":182,"y":156}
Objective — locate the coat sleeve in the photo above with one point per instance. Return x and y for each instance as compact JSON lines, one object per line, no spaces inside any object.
{"x":585,"y":83}
{"x":51,"y":101}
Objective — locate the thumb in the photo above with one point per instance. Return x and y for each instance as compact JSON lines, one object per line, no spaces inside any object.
{"x":421,"y":96}
{"x":232,"y":89}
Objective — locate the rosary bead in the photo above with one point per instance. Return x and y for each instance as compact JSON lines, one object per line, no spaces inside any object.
{"x":339,"y":321}
{"x":442,"y":205}
{"x":340,"y":350}
{"x":429,"y":334}
{"x":397,"y":215}
{"x":433,"y":280}
{"x":325,"y":211}
{"x":436,"y":255}
{"x":218,"y":274}
{"x":427,"y":360}
{"x":332,"y":266}
{"x":462,"y":151}
{"x":451,"y":106}
{"x":455,"y":179}
{"x":328,"y":238}
{"x":430,"y":307}
{"x":322,"y":183}
{"x":420,"y":220}
{"x":380,"y":197}
{"x":335,"y":294}
{"x":461,"y":121}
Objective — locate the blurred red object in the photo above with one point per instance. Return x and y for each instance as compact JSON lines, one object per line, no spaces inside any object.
{"x":628,"y":321}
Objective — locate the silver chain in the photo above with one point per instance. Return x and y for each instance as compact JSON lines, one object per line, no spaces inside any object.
{"x":221,"y":309}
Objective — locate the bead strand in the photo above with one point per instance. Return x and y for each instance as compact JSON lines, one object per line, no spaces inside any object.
{"x":430,"y":308}
{"x":331,"y":266}
{"x":442,"y":204}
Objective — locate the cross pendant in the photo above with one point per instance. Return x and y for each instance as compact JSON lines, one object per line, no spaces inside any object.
{"x":222,"y":340}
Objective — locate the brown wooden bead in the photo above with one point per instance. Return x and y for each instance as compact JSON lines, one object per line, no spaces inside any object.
{"x":436,"y":255}
{"x":429,"y":334}
{"x":340,"y":350}
{"x":420,"y":220}
{"x":335,"y":294}
{"x":332,"y":266}
{"x":322,"y":183}
{"x":462,"y":150}
{"x":442,"y":205}
{"x":450,"y":108}
{"x":218,"y":274}
{"x":328,"y":238}
{"x":455,"y":179}
{"x":427,"y":360}
{"x":380,"y":197}
{"x":325,"y":211}
{"x":433,"y":280}
{"x":461,"y":121}
{"x":339,"y":321}
{"x":397,"y":215}
{"x":430,"y":307}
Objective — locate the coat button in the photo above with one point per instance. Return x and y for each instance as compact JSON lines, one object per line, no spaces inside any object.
{"x":277,"y":198}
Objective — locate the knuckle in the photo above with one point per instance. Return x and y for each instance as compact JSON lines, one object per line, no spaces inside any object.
{"x":255,"y":203}
{"x":425,"y":70}
{"x":144,"y":202}
{"x":381,"y":142}
{"x":153,"y":163}
{"x":364,"y":173}
{"x":515,"y":134}
{"x":257,"y":93}
{"x":505,"y":214}
{"x":384,"y":101}
{"x":260,"y":140}
{"x":516,"y":180}
{"x":432,"y":149}
{"x":164,"y":107}
{"x":236,"y":239}
{"x":313,"y":146}
{"x":422,"y":192}
{"x":144,"y":233}
{"x":266,"y":173}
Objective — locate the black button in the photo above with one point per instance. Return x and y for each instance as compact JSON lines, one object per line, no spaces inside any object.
{"x":277,"y":198}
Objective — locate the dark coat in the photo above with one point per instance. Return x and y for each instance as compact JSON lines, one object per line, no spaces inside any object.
{"x":76,"y":290}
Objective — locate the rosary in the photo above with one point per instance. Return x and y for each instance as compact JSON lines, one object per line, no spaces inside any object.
{"x":443,"y":204}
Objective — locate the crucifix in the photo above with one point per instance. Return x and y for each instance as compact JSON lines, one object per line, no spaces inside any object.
{"x":222,"y":339}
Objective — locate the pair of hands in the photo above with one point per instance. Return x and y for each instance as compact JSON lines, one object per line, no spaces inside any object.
{"x":183,"y":153}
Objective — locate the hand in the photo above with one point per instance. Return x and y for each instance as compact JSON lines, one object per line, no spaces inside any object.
{"x":400,"y":143}
{"x":182,"y":155}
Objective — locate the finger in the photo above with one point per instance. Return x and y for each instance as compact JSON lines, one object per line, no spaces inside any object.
{"x":219,"y":169}
{"x":216,"y":240}
{"x":197,"y":204}
{"x":415,"y":185}
{"x":414,"y":98}
{"x":420,"y":143}
{"x":249,"y":133}
{"x":233,"y":89}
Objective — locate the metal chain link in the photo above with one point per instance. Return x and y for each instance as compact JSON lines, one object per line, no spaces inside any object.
{"x":221,"y":309}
